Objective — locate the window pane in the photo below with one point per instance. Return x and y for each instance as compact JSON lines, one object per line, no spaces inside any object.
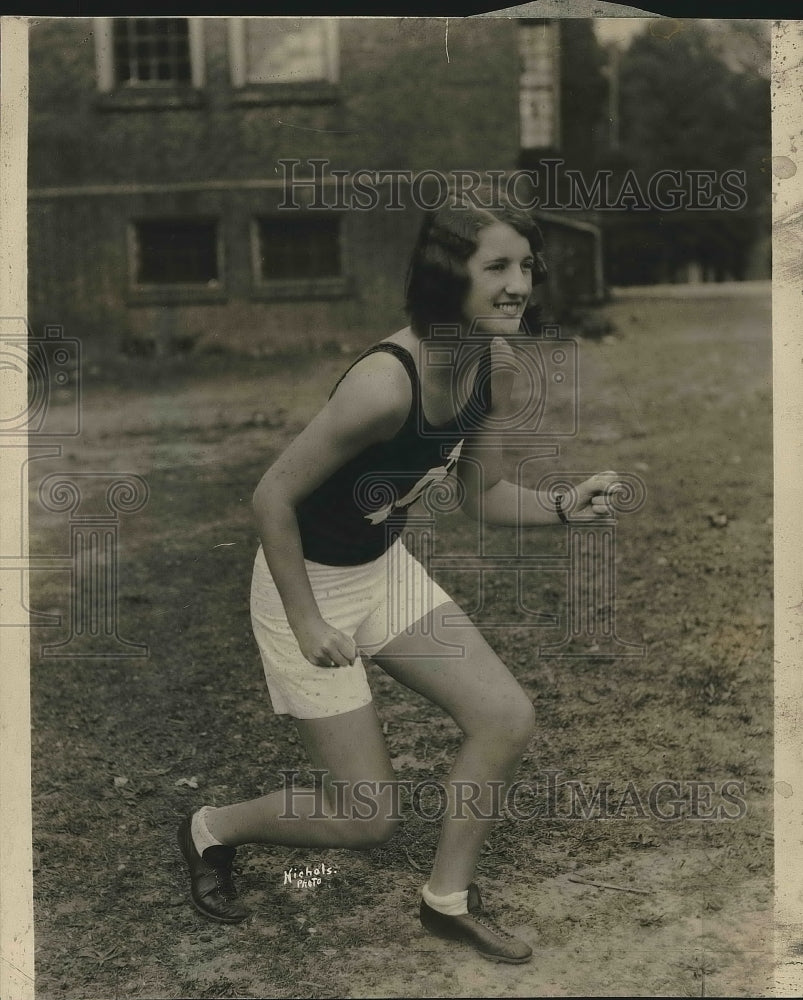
{"x":176,"y":252}
{"x":151,"y":50}
{"x":299,"y":249}
{"x":177,"y":26}
{"x":285,"y":52}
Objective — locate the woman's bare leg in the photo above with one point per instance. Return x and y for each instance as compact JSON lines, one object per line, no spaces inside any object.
{"x":349,"y":748}
{"x":492,"y":710}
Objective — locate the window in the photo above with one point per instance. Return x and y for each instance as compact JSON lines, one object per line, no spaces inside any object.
{"x":286,"y":57}
{"x":299,"y":257}
{"x":539,"y":85}
{"x":303,"y":248}
{"x":175,"y":255}
{"x":149,"y":60}
{"x":151,"y":51}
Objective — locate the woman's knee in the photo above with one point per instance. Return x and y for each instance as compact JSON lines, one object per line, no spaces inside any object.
{"x":365,"y":833}
{"x":508,"y":720}
{"x":366,"y":813}
{"x":519,"y":723}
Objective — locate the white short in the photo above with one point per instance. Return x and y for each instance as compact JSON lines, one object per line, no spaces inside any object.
{"x":373,"y":602}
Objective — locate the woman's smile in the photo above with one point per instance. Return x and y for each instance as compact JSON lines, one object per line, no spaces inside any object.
{"x":509,"y":308}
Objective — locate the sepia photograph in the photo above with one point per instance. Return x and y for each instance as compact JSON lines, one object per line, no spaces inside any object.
{"x":388,"y":561}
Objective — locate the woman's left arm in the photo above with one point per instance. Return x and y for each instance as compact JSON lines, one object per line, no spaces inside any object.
{"x":495,"y":500}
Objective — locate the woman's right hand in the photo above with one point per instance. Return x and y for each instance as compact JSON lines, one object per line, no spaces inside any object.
{"x":324,"y":645}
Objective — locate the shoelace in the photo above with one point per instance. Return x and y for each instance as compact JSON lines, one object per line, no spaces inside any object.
{"x":225,"y":882}
{"x":486,"y":921}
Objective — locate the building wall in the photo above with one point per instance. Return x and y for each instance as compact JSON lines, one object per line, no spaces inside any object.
{"x":404,"y":102}
{"x":84,"y":282}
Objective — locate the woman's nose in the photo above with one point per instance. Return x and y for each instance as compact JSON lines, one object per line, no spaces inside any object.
{"x":518,"y":282}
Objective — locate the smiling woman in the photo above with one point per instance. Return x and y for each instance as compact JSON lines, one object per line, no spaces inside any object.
{"x":500,"y":273}
{"x":466,"y":253}
{"x":333,"y":584}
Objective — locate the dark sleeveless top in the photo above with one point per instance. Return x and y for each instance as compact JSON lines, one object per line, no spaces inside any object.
{"x":357,"y":514}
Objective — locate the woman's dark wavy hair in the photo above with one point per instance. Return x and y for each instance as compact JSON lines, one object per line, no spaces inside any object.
{"x":437,"y":277}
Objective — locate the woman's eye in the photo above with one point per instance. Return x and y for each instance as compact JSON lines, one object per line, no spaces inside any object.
{"x":528,"y":265}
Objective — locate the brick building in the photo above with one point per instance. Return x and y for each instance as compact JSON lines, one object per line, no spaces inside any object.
{"x":161,"y":152}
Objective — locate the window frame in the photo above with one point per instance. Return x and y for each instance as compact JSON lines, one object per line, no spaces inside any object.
{"x":287,"y":289}
{"x":554,"y":90}
{"x":245,"y":91}
{"x":143,"y":94}
{"x":174,"y":292}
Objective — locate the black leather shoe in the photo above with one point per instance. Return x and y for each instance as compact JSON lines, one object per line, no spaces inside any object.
{"x":476,"y":929}
{"x":211,"y":884}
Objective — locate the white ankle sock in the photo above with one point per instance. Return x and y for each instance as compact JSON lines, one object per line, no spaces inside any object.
{"x":452,"y":904}
{"x":201,"y":836}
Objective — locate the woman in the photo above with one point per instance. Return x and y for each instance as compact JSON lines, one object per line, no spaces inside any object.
{"x":333,"y":583}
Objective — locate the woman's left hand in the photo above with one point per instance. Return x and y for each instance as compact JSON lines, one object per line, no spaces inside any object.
{"x":594,"y":495}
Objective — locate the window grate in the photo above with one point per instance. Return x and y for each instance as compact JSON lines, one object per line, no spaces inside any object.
{"x":151,"y":51}
{"x":299,"y":249}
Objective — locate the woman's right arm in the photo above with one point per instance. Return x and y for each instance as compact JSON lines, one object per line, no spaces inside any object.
{"x":370,"y":405}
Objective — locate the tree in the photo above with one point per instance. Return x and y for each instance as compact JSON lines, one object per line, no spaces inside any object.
{"x":684,"y":105}
{"x":583,"y":93}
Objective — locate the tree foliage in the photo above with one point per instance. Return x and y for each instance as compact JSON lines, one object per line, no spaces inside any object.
{"x":683,"y":105}
{"x":583,"y":92}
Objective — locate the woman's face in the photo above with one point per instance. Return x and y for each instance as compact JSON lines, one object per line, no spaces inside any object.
{"x":501,"y":273}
